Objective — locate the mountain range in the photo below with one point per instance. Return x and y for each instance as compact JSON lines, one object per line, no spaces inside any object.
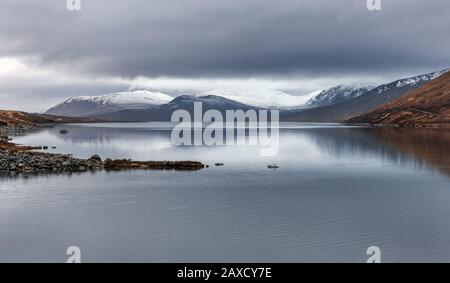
{"x":369,"y":100}
{"x":164,"y":111}
{"x":335,"y":104}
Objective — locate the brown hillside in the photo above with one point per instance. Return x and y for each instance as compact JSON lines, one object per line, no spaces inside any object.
{"x":16,"y":118}
{"x":22,"y":119}
{"x":426,"y":106}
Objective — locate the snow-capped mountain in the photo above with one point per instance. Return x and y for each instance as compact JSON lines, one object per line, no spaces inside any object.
{"x":164,"y":112}
{"x":334,"y":104}
{"x":263,"y":98}
{"x":337,"y":94}
{"x":367,"y":101}
{"x":94,"y":105}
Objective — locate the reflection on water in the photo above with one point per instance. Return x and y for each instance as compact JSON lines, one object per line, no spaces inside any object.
{"x":406,"y":147}
{"x":338,"y":191}
{"x":427,"y":146}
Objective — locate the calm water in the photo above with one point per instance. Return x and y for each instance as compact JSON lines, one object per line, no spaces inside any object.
{"x":338,"y":191}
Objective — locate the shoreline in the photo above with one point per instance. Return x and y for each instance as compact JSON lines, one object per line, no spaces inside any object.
{"x":443,"y":126}
{"x":21,"y":159}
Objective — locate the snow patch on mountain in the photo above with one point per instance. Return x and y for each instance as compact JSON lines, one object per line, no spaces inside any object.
{"x":263,"y":98}
{"x":408,"y":82}
{"x":83,"y":106}
{"x":421,"y":78}
{"x":128,"y":99}
{"x":338,"y":94}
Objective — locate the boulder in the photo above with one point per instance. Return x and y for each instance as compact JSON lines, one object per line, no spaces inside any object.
{"x":95,"y":158}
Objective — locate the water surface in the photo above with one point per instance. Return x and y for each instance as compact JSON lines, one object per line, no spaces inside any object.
{"x":338,"y":191}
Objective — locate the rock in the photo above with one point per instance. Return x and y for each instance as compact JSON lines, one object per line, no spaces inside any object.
{"x":21,"y":160}
{"x":95,"y":158}
{"x":126,"y":164}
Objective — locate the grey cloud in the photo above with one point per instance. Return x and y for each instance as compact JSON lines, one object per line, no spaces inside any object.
{"x":40,"y":98}
{"x":216,"y":38}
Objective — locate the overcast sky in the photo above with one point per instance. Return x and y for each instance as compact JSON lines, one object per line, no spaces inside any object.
{"x":48,"y":54}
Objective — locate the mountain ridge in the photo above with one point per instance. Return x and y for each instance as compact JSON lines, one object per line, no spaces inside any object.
{"x":337,"y":94}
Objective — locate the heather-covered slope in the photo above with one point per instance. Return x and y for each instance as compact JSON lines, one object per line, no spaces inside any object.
{"x":428,"y":105}
{"x":11,"y":118}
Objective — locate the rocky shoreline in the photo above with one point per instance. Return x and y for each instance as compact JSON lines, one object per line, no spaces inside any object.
{"x":17,"y":159}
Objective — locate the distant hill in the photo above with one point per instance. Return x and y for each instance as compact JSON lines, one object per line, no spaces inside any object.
{"x":94,"y":105}
{"x":361,"y":104}
{"x":164,"y":112}
{"x":428,"y":105}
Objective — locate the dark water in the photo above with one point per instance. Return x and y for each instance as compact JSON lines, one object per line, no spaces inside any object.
{"x":338,"y":191}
